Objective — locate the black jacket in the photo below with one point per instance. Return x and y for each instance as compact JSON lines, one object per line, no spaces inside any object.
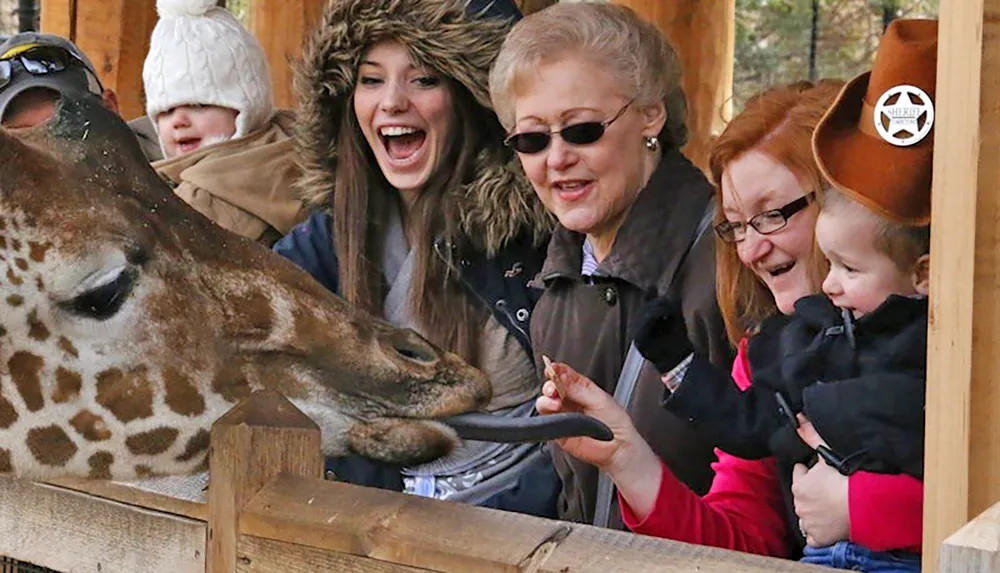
{"x":861,"y":384}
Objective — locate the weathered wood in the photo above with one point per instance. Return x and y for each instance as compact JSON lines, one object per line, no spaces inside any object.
{"x":281,"y":26}
{"x":115,"y":36}
{"x":71,"y":531}
{"x":258,"y":555}
{"x":260,"y":438}
{"x":704,"y":35}
{"x":449,"y":537}
{"x":976,"y":547}
{"x":963,"y":378}
{"x":134,"y":496}
{"x":58,"y":17}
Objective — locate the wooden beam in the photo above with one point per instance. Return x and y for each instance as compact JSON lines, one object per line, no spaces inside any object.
{"x":68,"y":530}
{"x":115,"y":36}
{"x":703,"y":34}
{"x":58,"y":17}
{"x":262,"y":437}
{"x":281,"y":26}
{"x":963,"y":373}
{"x":976,"y":547}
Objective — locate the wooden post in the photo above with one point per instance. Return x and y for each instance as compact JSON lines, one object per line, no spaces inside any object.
{"x":260,"y":438}
{"x":975,"y":547}
{"x":58,"y":17}
{"x":703,"y":32}
{"x":114,"y":34}
{"x":281,"y":26}
{"x":963,"y":373}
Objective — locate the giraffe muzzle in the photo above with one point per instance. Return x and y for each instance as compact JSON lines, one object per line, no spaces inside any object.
{"x":489,"y":428}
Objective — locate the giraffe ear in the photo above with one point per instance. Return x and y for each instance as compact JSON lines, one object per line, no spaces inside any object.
{"x":85,"y":128}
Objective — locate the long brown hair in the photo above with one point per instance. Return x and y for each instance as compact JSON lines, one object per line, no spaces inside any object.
{"x":362,"y":201}
{"x":778,"y":122}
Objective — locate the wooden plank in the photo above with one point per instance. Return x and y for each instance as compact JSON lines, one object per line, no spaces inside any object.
{"x":450,"y":537}
{"x":115,"y":36}
{"x":258,"y":555}
{"x":70,"y":531}
{"x":57,"y":17}
{"x":704,"y":35}
{"x":976,"y":547}
{"x":257,"y":440}
{"x":281,"y":26}
{"x":124,"y":493}
{"x":963,"y":378}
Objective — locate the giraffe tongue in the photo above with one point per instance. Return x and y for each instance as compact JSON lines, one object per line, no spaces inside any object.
{"x":488,"y":428}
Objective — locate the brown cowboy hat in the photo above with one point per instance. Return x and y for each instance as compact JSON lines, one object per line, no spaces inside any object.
{"x":876,"y":141}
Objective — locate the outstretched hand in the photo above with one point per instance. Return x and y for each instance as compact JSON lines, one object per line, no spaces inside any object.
{"x":566,"y":390}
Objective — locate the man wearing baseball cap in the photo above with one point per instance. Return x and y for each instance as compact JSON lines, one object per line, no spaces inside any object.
{"x":36,"y":69}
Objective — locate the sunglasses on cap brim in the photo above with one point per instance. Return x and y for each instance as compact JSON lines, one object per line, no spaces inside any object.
{"x":585,"y":133}
{"x":40,"y":61}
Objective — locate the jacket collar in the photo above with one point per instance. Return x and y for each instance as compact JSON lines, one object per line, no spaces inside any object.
{"x":662,"y":220}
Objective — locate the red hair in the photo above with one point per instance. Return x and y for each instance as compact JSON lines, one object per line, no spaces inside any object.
{"x":778,"y":122}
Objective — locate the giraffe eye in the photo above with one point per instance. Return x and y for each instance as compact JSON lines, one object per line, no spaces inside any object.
{"x":103,"y":302}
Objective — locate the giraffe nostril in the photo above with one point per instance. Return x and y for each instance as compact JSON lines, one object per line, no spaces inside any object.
{"x":415,"y":354}
{"x":412,"y":347}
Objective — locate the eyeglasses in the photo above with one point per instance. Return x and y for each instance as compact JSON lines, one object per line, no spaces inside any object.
{"x":764,"y":223}
{"x":43,"y":60}
{"x":531,"y":142}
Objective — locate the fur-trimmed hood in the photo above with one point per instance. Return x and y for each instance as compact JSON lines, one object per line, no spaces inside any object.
{"x":452,"y":37}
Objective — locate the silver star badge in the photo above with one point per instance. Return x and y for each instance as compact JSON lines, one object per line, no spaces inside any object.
{"x":906,"y":121}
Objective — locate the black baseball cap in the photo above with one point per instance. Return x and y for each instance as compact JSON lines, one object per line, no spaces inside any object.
{"x":78,"y":77}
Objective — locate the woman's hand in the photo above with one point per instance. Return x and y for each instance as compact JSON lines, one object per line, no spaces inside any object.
{"x":821,"y":496}
{"x":566,"y":390}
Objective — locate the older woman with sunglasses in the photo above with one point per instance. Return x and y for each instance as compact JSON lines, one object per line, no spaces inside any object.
{"x":766,"y":179}
{"x":591,"y":99}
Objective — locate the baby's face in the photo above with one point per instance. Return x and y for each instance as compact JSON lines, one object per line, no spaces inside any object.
{"x":188,"y":127}
{"x":861,"y":276}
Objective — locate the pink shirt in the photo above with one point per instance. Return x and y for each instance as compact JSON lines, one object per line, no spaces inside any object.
{"x":744,"y":509}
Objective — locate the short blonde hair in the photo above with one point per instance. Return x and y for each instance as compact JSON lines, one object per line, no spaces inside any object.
{"x":615,"y":38}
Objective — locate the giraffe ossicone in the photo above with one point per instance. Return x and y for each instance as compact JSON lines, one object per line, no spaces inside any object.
{"x":130,"y":323}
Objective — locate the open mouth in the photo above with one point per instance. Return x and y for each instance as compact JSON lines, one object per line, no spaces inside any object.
{"x":188,"y":144}
{"x":778,"y":271}
{"x":572,"y":190}
{"x":402,"y":143}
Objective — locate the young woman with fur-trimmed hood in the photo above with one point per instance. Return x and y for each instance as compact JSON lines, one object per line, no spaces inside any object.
{"x":423,"y":217}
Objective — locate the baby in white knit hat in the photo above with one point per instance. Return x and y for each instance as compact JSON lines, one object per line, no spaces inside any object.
{"x":227,"y":149}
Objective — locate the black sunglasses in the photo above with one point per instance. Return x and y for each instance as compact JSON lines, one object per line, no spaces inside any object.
{"x":43,"y":60}
{"x":530,"y":142}
{"x":764,"y":223}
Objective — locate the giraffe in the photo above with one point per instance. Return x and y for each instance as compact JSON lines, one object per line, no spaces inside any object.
{"x":130,"y":323}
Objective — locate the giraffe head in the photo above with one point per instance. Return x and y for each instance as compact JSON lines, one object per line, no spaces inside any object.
{"x":130,"y":323}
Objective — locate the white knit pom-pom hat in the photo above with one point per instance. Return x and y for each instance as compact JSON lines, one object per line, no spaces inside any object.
{"x":201,"y":54}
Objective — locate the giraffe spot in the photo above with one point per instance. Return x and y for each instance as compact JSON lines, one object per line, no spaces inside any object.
{"x":8,"y":415}
{"x":151,"y":443}
{"x":127,"y":397}
{"x":90,"y":426}
{"x":50,"y":446}
{"x":39,"y":283}
{"x":231,"y":385}
{"x":6,"y":466}
{"x":15,"y":244}
{"x":182,"y":396}
{"x":25,"y":369}
{"x":144,"y":472}
{"x":36,"y":251}
{"x":13,"y":278}
{"x":252,"y":316}
{"x":100,"y":465}
{"x":36,"y":328}
{"x":3,"y":331}
{"x":197,"y":445}
{"x":68,"y":384}
{"x":15,"y":300}
{"x":3,"y":243}
{"x":21,"y":263}
{"x":66,"y":346}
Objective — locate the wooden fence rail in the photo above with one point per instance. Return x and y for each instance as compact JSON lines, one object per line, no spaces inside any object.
{"x":268,"y":511}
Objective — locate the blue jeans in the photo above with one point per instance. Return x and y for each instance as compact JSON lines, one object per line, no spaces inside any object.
{"x":847,"y":555}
